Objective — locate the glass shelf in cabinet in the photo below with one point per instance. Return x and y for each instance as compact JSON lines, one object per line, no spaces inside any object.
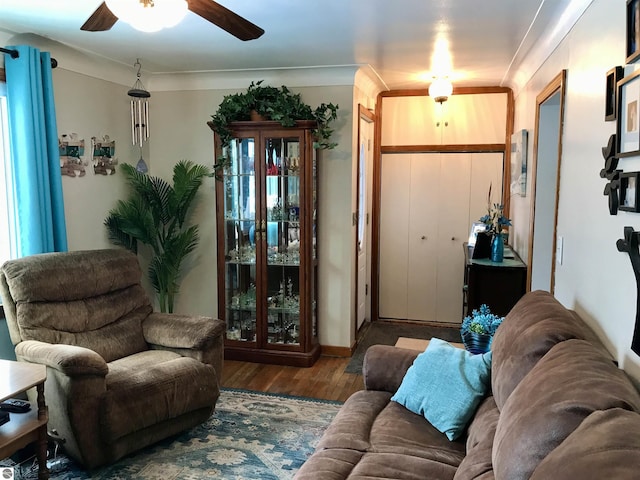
{"x":251,"y":261}
{"x":231,"y":175}
{"x":245,"y":256}
{"x":275,"y":339}
{"x":283,"y":264}
{"x":236,"y":335}
{"x":242,"y":308}
{"x":286,"y":310}
{"x":283,"y":335}
{"x":284,"y":259}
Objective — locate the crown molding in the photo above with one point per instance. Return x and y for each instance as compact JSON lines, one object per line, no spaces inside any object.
{"x":369,"y":82}
{"x":91,"y":65}
{"x":526,"y":62}
{"x":312,"y":76}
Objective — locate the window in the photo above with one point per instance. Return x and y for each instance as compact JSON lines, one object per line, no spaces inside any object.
{"x":7,"y":230}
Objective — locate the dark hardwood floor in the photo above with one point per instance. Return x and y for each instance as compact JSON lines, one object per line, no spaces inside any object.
{"x":325,"y":380}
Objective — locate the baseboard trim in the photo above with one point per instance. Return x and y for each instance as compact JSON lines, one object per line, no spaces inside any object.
{"x":425,"y":323}
{"x":332,"y":351}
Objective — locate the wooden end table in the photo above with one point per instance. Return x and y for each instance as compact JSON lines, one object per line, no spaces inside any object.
{"x":419,"y":344}
{"x":30,"y":427}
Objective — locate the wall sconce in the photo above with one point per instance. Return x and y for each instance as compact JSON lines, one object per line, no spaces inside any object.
{"x":440,"y":89}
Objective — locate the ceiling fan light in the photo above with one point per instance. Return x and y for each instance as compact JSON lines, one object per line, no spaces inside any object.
{"x":149,"y":16}
{"x":440,"y":89}
{"x":173,"y":11}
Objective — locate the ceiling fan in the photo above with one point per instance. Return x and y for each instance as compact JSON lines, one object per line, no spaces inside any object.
{"x":103,"y":19}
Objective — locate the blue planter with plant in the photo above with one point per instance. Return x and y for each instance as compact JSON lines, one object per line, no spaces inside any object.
{"x":477,"y":329}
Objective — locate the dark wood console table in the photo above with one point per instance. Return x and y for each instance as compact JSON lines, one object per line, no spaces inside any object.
{"x":498,"y":284}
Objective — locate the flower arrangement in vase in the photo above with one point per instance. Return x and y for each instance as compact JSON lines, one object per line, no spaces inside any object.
{"x":495,"y":222}
{"x":495,"y":219}
{"x":477,"y":329}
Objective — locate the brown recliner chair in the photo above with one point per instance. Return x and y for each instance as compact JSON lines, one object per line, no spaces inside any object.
{"x":119,"y":376}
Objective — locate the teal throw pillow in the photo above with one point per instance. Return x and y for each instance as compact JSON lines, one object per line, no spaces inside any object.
{"x":445,"y":385}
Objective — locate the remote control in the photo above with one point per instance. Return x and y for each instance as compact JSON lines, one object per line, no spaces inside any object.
{"x":15,"y":406}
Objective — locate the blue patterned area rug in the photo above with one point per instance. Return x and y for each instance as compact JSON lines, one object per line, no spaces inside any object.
{"x":250,"y":436}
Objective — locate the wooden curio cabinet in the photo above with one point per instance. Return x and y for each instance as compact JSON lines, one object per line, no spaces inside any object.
{"x":266,"y":207}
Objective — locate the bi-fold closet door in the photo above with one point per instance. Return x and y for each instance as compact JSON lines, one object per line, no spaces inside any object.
{"x":428,"y":202}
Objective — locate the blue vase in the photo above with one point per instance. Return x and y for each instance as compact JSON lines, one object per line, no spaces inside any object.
{"x":497,"y":248}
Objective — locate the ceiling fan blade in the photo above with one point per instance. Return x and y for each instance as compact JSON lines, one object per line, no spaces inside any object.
{"x":100,"y":20}
{"x":225,"y":19}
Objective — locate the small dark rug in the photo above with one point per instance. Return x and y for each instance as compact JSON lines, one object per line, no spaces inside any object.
{"x":387,"y":333}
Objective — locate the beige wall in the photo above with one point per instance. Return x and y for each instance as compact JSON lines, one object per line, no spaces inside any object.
{"x":595,"y":279}
{"x":95,"y":103}
{"x":89,"y":106}
{"x":183,"y":133}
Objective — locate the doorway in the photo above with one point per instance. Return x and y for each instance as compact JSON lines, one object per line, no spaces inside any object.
{"x":363,"y":214}
{"x":545,"y":251}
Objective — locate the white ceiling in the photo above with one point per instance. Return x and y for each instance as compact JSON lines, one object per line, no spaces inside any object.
{"x":487,"y":38}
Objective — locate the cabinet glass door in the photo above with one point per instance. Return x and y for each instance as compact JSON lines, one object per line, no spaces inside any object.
{"x":240,"y":242}
{"x":282,"y":204}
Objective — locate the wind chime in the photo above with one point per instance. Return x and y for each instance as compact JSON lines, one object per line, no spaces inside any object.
{"x":139,"y":116}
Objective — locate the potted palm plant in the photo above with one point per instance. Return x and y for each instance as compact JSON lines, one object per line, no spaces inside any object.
{"x":155,"y":214}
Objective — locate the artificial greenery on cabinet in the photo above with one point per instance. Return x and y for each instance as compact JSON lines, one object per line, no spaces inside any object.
{"x":276,"y":104}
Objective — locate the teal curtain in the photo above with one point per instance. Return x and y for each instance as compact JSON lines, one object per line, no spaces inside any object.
{"x":35,"y":159}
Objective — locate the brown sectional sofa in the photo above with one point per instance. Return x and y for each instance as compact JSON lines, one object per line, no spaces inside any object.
{"x":560,"y":409}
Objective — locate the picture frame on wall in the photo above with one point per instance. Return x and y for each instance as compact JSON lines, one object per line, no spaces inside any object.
{"x":611,"y":95}
{"x":628,"y":131}
{"x":519,"y":163}
{"x":633,"y":30}
{"x":629,"y":192}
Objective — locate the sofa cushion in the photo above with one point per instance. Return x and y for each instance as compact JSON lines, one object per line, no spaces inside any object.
{"x":339,"y":464}
{"x":68,"y":323}
{"x":445,"y":384}
{"x":400,"y":467}
{"x":333,"y":464}
{"x":477,"y":465}
{"x":397,"y":430}
{"x":570,"y":382}
{"x":369,"y":422}
{"x":534,"y":325}
{"x":351,"y":426}
{"x":149,"y":387}
{"x":605,"y":445}
{"x":53,"y":277}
